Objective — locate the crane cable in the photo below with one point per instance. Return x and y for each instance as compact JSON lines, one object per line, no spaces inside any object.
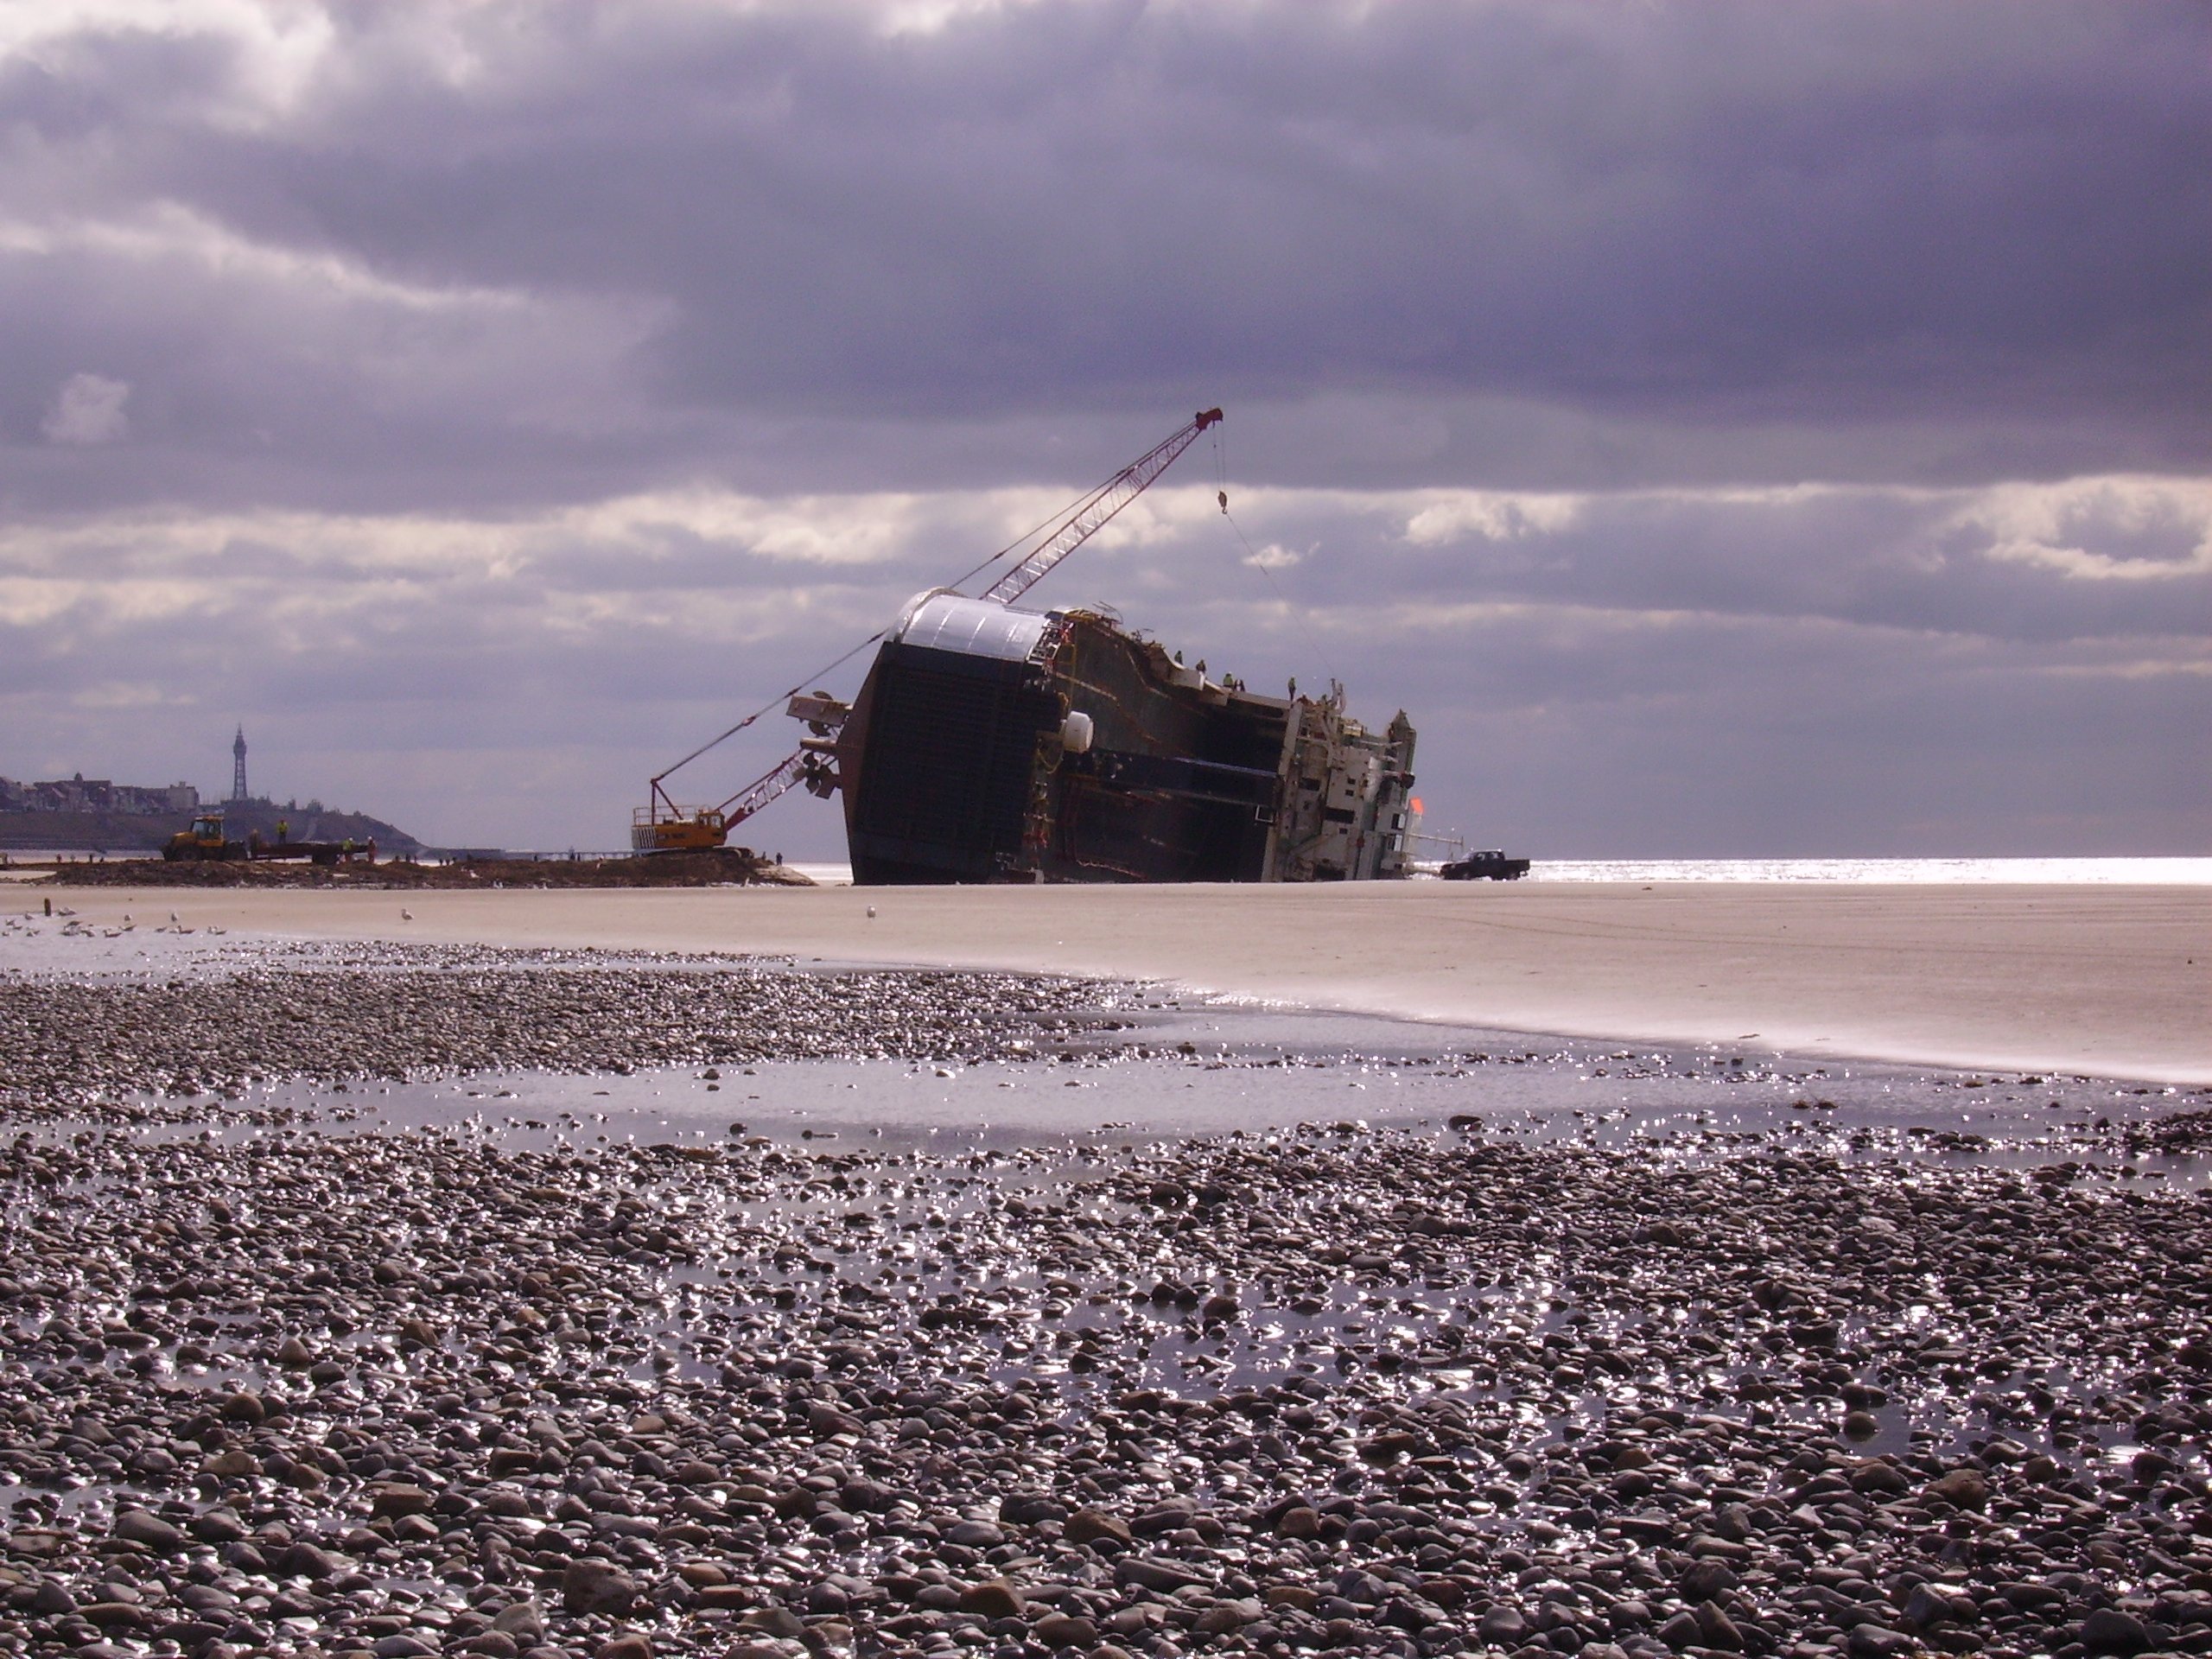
{"x":830,"y":668}
{"x":769,"y":707}
{"x":1253,"y":558}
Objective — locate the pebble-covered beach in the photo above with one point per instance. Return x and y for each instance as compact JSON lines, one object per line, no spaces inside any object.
{"x":280,"y":1374}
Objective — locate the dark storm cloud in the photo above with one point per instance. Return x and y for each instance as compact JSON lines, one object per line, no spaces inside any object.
{"x":1561,"y":245}
{"x":1724,"y":207}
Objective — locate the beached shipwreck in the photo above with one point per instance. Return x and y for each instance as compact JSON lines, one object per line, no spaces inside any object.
{"x":993,"y":743}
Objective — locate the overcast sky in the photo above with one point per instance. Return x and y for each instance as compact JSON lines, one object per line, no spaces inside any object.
{"x":1727,"y":429}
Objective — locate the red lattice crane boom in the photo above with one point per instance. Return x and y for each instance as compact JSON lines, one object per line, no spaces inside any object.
{"x":1090,"y":515}
{"x":663,"y":826}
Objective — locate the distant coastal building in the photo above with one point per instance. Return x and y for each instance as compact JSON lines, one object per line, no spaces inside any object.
{"x":94,"y":814}
{"x":83,"y":794}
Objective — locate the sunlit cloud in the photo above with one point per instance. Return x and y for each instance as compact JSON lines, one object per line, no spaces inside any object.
{"x":88,"y":408}
{"x":1453,"y":516}
{"x":2153,"y":529}
{"x":167,"y":232}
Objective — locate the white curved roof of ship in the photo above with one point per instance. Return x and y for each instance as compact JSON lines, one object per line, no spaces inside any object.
{"x":944,"y":620}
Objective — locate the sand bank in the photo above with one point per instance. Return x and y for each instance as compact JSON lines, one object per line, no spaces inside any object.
{"x":2109,"y":981}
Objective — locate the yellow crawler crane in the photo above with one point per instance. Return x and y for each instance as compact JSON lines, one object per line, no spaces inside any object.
{"x":687,"y":829}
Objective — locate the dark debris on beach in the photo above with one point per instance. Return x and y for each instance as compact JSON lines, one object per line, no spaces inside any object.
{"x":722,"y":867}
{"x":372,"y":1014}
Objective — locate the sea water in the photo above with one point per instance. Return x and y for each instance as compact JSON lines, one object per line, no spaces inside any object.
{"x":2156,"y":872}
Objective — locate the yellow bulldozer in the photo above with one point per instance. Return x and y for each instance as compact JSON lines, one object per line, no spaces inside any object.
{"x":204,"y":840}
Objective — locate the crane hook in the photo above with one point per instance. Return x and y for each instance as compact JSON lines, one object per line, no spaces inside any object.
{"x":1224,"y":500}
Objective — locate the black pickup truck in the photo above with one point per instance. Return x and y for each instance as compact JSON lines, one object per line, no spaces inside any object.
{"x":1485,"y":866}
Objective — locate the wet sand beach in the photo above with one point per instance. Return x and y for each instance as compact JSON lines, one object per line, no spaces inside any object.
{"x":531,"y":1299}
{"x":2111,"y":980}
